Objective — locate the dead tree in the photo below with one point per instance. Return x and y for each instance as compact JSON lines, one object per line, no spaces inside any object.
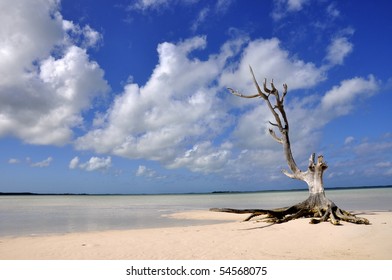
{"x":317,"y":206}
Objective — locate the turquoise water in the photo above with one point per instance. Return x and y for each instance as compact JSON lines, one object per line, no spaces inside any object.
{"x":38,"y":215}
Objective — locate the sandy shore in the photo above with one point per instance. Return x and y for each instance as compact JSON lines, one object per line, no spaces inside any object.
{"x":230,"y":239}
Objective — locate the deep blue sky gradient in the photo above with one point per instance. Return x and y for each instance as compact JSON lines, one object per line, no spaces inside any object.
{"x":357,"y":144}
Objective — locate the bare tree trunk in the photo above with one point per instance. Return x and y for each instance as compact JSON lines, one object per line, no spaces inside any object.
{"x":317,"y":205}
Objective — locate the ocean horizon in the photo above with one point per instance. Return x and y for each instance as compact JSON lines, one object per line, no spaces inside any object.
{"x":29,"y":215}
{"x":186,"y":193}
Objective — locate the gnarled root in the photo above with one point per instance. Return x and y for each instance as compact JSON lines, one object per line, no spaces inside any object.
{"x":317,"y":207}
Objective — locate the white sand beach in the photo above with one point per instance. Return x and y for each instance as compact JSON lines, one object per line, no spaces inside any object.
{"x":228,"y":239}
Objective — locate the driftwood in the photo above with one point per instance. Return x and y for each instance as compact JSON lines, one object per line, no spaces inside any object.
{"x":317,"y":206}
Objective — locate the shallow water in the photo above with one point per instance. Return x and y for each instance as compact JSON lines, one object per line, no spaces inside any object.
{"x":38,"y":215}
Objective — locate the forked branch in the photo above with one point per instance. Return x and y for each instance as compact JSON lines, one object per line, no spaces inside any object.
{"x":277,"y":109}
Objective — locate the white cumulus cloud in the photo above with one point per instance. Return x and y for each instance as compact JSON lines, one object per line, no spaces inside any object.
{"x":74,"y":163}
{"x":340,"y":99}
{"x":203,"y":157}
{"x":282,"y":7}
{"x":338,"y":49}
{"x":13,"y":161}
{"x":269,"y":60}
{"x":349,"y":140}
{"x":44,"y":163}
{"x":143,"y":5}
{"x":93,"y":164}
{"x":144,"y":171}
{"x":162,"y":118}
{"x":46,"y":81}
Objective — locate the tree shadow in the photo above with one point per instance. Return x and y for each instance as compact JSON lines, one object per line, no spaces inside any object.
{"x":371,"y":213}
{"x":260,"y":227}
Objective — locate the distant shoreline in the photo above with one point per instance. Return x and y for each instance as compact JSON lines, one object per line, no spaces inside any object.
{"x":213,"y":192}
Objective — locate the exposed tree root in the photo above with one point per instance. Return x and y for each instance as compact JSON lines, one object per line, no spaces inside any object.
{"x":317,"y":207}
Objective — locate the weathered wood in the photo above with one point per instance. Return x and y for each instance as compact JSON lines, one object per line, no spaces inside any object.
{"x":317,"y":206}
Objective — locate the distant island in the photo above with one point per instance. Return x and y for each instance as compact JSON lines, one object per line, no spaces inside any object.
{"x":31,"y":193}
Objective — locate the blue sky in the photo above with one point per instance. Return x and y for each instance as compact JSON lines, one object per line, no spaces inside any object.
{"x":130,"y":96}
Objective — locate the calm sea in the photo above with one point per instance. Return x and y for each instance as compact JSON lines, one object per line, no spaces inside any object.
{"x":41,"y":215}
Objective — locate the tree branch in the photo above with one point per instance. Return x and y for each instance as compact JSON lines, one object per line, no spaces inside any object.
{"x":279,"y":114}
{"x":321,"y":162}
{"x":273,"y":124}
{"x":276,"y":138}
{"x":234,"y":92}
{"x":284,"y":93}
{"x":265,"y":86}
{"x":257,"y":84}
{"x":288,"y":174}
{"x":273,"y":86}
{"x":311,"y":162}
